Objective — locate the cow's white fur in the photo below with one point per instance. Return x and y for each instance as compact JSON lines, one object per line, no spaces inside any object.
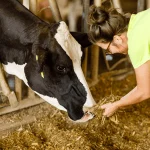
{"x":18,"y":70}
{"x":15,"y":69}
{"x":73,"y":50}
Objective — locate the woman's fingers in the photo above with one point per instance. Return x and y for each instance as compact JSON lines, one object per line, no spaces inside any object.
{"x":109,"y":109}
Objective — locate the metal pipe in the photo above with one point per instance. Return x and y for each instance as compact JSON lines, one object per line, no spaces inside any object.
{"x":26,"y":3}
{"x":117,"y":5}
{"x":55,"y":10}
{"x":33,"y":6}
{"x":84,"y":28}
{"x":86,"y":5}
{"x":6,"y":90}
{"x":97,"y":2}
{"x":140,"y":5}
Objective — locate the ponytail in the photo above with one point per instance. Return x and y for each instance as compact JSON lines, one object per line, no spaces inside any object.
{"x":105,"y":23}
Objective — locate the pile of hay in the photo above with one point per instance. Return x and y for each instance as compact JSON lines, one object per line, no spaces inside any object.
{"x":128,"y":129}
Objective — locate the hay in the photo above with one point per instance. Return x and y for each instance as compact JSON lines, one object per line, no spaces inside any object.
{"x":128,"y":129}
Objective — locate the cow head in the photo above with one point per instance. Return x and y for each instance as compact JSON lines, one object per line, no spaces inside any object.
{"x":54,"y":72}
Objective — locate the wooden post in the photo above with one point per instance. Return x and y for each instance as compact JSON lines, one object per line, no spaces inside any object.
{"x":147,"y":4}
{"x":86,"y":5}
{"x":31,"y":94}
{"x":6,"y":90}
{"x":18,"y":88}
{"x":85,"y":62}
{"x":55,"y":10}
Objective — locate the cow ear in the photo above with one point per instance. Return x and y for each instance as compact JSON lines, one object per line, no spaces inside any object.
{"x":82,"y":38}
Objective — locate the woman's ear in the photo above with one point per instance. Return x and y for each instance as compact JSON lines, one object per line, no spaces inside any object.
{"x":117,"y":39}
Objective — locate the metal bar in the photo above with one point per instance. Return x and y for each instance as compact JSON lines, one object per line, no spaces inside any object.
{"x":97,"y":2}
{"x":33,"y":6}
{"x":117,"y":5}
{"x":3,"y":83}
{"x":26,"y":3}
{"x":84,"y":28}
{"x":55,"y":10}
{"x":140,"y":5}
{"x":86,"y":5}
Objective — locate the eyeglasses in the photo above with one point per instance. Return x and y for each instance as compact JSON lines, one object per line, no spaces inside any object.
{"x":107,"y":51}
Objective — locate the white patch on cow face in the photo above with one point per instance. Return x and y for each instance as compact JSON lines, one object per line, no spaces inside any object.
{"x":73,"y":50}
{"x":53,"y":101}
{"x":68,"y":43}
{"x":18,"y":70}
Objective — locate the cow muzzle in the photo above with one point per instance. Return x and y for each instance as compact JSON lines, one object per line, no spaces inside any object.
{"x":87,"y":116}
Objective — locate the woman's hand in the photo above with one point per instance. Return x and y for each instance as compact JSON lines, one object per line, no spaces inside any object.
{"x":109,"y":109}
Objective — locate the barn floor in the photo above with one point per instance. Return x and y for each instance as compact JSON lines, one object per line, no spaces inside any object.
{"x":50,"y":129}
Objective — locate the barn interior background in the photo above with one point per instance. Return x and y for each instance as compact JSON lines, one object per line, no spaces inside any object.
{"x":109,"y":77}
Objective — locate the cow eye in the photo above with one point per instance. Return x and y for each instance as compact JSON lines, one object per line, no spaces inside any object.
{"x":61,"y":69}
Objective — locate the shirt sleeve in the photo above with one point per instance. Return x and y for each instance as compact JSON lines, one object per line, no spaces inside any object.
{"x":139,"y":52}
{"x":139,"y":38}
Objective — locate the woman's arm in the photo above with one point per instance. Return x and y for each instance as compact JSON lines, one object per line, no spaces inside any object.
{"x":139,"y":93}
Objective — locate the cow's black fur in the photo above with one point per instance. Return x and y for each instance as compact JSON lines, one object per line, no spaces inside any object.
{"x":22,"y":37}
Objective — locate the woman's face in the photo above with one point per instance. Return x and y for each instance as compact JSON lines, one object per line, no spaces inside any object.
{"x":117,"y":45}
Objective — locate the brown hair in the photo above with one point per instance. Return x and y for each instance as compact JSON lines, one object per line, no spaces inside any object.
{"x":105,"y":23}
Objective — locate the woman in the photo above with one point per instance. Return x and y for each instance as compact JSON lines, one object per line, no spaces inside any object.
{"x":119,"y":33}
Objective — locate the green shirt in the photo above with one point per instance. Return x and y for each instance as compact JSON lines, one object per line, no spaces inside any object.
{"x":139,"y":38}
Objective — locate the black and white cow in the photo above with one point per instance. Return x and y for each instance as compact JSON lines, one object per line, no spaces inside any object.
{"x":46,"y":57}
